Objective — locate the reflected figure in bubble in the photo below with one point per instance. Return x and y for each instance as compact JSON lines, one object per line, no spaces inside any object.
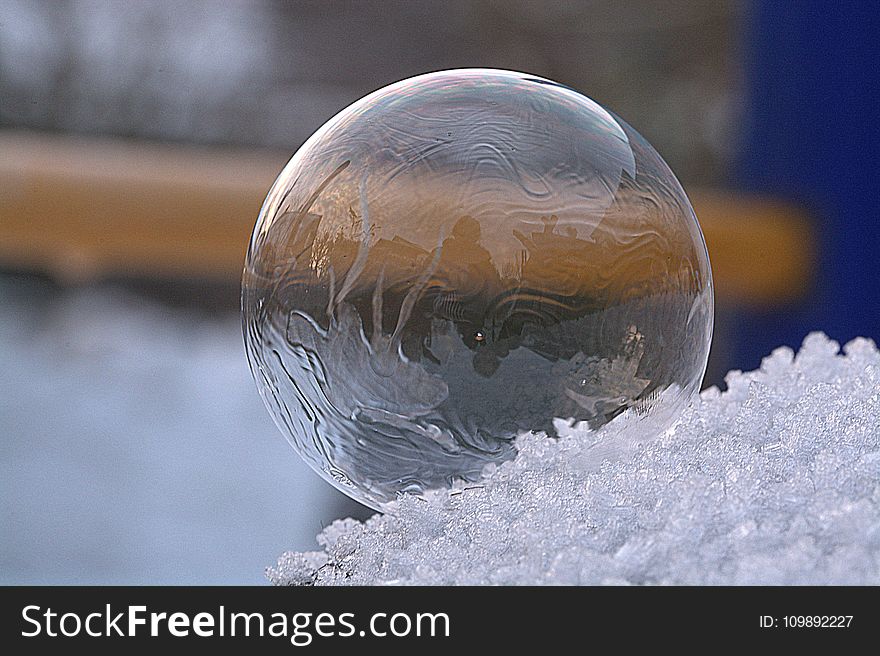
{"x":465,"y":277}
{"x":462,"y":257}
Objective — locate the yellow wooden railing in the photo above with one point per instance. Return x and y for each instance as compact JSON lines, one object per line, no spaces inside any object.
{"x":80,"y":208}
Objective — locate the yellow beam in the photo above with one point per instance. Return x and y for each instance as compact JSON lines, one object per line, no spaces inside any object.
{"x":85,"y":207}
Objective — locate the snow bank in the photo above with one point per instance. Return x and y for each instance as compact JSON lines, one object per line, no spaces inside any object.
{"x":775,"y":481}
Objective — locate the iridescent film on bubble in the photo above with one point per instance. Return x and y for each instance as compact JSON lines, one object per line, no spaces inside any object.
{"x":461,"y":257}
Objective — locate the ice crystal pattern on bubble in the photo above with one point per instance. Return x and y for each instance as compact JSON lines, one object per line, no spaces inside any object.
{"x":458,"y":258}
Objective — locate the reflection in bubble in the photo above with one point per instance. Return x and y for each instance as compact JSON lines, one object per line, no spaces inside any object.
{"x":463,"y":256}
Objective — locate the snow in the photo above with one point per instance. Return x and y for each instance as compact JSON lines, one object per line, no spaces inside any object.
{"x":774,"y":481}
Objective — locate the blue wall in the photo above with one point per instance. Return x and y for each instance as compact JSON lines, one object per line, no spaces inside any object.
{"x":812,"y":134}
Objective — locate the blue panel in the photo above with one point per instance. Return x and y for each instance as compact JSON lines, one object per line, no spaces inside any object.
{"x":812,"y":134}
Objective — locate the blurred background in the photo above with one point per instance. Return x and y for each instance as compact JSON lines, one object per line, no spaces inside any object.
{"x":138,"y":139}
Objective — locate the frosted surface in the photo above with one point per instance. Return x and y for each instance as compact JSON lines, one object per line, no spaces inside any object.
{"x":775,"y":481}
{"x":460,"y":257}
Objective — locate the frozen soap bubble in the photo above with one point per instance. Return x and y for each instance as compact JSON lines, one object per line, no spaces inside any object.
{"x":461,"y":257}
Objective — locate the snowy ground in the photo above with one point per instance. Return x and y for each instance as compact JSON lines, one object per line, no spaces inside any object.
{"x":775,"y":481}
{"x":134,"y":447}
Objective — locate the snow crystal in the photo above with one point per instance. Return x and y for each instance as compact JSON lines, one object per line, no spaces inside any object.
{"x":774,"y":481}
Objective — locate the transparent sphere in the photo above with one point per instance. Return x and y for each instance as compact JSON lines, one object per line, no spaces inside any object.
{"x":463,"y":256}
